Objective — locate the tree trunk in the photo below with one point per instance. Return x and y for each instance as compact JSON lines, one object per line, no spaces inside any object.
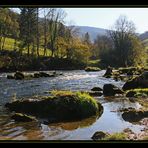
{"x":45,"y":34}
{"x":38,"y":32}
{"x":3,"y":44}
{"x":14,"y":47}
{"x":28,"y":49}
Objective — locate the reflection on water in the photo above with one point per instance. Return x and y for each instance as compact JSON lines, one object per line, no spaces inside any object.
{"x":76,"y":124}
{"x":79,"y":130}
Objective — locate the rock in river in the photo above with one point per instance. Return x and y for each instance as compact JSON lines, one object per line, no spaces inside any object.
{"x":62,"y":106}
{"x":137,"y":82}
{"x":99,"y":135}
{"x":96,"y":89}
{"x":22,"y":117}
{"x":111,"y":90}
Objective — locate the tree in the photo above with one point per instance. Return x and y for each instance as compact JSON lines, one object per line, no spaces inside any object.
{"x":103,"y":50}
{"x":125,"y":42}
{"x":86,"y":38}
{"x":28,"y":28}
{"x":55,"y":17}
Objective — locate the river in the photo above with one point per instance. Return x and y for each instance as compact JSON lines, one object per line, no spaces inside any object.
{"x":77,"y":80}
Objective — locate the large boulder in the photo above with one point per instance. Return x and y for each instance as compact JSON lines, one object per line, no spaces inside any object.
{"x":137,"y":82}
{"x":111,"y":90}
{"x":62,"y":106}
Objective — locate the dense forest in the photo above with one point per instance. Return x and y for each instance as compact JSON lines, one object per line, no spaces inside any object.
{"x":38,"y":39}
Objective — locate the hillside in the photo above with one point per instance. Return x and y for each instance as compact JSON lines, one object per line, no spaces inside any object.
{"x":93,"y":31}
{"x":144,"y":35}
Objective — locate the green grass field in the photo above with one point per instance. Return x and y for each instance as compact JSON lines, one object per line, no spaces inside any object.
{"x":9,"y":45}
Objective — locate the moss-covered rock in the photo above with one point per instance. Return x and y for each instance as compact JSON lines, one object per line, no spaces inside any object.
{"x":62,"y":106}
{"x":22,"y":117}
{"x":92,"y":69}
{"x":134,"y":115}
{"x":137,"y":82}
{"x":137,"y":92}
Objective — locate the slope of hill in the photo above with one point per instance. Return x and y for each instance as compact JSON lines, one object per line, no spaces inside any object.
{"x":144,"y":35}
{"x":93,"y":31}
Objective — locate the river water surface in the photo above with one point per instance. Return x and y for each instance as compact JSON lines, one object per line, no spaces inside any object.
{"x":78,"y":80}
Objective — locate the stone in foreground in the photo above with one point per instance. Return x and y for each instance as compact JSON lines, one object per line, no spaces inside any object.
{"x":62,"y":106}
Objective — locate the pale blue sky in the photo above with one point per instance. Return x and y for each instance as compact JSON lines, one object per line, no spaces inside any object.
{"x":105,"y":17}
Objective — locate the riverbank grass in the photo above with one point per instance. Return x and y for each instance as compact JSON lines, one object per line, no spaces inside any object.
{"x":116,"y":136}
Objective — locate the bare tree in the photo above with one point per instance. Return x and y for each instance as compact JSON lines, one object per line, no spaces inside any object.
{"x":121,"y":34}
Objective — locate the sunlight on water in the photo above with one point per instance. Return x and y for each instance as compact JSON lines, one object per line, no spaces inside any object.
{"x":109,"y":121}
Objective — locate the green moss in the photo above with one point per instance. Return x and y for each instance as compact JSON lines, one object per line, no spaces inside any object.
{"x":92,"y":69}
{"x":116,"y":136}
{"x":140,"y":92}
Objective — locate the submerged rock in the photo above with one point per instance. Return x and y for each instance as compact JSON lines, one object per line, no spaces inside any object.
{"x":22,"y":117}
{"x":111,"y":90}
{"x":63,"y":106}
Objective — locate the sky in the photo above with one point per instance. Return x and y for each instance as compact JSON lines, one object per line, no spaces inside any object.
{"x":106,"y":17}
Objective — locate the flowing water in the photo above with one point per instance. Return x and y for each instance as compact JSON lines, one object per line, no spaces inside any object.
{"x":78,"y":80}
